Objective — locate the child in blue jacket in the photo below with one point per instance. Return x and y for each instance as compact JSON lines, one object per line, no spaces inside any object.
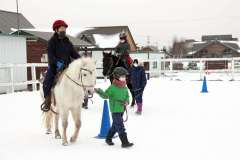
{"x":138,"y":81}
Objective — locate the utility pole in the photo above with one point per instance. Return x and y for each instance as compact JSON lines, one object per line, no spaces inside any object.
{"x":148,"y":41}
{"x":18,"y":25}
{"x":157,"y":46}
{"x":148,"y":44}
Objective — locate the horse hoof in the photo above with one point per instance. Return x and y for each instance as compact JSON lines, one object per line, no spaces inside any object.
{"x":65,"y":143}
{"x":57,"y":137}
{"x":73,"y":140}
{"x":48,"y":131}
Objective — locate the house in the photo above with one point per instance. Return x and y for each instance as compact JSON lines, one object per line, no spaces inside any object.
{"x":215,"y":46}
{"x":37,"y":47}
{"x":151,"y":61}
{"x":105,"y":38}
{"x":9,"y":20}
{"x":149,"y":49}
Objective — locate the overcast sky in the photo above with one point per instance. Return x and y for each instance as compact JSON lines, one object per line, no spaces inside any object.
{"x":162,"y":20}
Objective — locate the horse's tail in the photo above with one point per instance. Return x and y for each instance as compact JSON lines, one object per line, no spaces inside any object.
{"x":48,"y":120}
{"x":48,"y":117}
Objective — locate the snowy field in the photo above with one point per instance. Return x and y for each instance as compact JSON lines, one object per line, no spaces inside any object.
{"x":178,"y":123}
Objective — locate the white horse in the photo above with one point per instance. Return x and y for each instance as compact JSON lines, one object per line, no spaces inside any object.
{"x":68,"y":94}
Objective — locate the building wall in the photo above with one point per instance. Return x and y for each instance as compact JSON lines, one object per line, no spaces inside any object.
{"x":132,"y":46}
{"x":12,"y":50}
{"x":215,"y":50}
{"x":36,"y":50}
{"x":154,"y":65}
{"x":98,"y":57}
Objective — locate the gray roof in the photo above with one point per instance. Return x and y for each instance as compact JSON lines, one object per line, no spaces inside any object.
{"x":199,"y":46}
{"x":106,"y":30}
{"x":47,"y":35}
{"x":8,"y":20}
{"x":218,"y":37}
{"x":87,"y":35}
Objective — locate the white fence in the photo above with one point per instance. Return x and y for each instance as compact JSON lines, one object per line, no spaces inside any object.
{"x":164,"y":66}
{"x":232,"y":68}
{"x":12,"y":82}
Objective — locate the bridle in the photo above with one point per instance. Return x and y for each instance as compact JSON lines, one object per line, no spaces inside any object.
{"x":80,"y":77}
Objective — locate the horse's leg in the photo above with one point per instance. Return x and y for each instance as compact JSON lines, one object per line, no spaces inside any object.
{"x":64,"y":118}
{"x":133,"y":98}
{"x":129,"y":85}
{"x":57,"y":133}
{"x":77,"y":121}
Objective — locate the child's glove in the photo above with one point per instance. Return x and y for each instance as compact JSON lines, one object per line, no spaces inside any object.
{"x":60,"y":65}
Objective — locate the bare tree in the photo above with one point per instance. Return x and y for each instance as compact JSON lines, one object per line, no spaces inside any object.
{"x":179,"y":48}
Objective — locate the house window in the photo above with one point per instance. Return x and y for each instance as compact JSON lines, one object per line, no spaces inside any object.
{"x":154,"y":65}
{"x":227,"y":51}
{"x":204,"y":51}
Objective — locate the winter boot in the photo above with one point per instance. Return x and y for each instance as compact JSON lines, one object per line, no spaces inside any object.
{"x":109,"y":138}
{"x":124,"y":140}
{"x":139,"y":108}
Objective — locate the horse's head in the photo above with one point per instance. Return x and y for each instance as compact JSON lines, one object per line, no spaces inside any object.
{"x":84,"y":71}
{"x":107,"y":62}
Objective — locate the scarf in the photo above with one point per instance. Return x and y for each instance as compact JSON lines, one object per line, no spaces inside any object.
{"x":118,"y":83}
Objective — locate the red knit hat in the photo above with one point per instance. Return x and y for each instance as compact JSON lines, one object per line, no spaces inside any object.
{"x":59,"y":23}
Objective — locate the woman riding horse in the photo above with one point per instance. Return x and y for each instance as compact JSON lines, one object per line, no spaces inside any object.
{"x":60,"y":54}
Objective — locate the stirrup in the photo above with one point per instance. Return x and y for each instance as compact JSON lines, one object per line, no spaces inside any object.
{"x":44,"y":107}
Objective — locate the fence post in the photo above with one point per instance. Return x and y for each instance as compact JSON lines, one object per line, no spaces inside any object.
{"x":160,"y":68}
{"x":233,"y":68}
{"x":171,"y":65}
{"x":33,"y":70}
{"x":201,"y":69}
{"x":12,"y":78}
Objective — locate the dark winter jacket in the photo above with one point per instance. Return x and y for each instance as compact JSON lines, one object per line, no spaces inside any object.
{"x":60,"y":50}
{"x":137,"y":79}
{"x":123,"y":49}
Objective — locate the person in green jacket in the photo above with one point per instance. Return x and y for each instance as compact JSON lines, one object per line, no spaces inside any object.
{"x":118,"y":97}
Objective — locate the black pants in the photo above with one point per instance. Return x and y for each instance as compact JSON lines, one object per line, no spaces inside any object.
{"x":48,"y":82}
{"x":117,"y":124}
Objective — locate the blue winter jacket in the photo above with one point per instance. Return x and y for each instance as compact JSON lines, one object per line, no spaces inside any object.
{"x":137,"y":79}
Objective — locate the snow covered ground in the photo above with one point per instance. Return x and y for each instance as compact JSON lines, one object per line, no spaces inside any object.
{"x":178,"y":123}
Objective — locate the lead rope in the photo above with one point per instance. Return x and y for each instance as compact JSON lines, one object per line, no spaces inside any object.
{"x":125,"y":110}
